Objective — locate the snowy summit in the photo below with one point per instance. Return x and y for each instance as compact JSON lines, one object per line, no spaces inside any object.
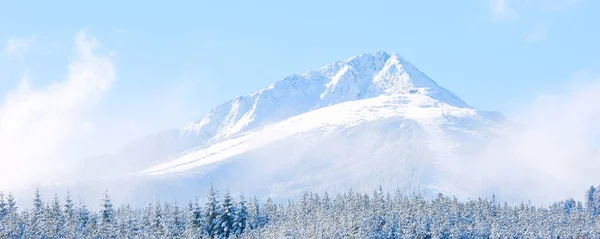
{"x":360,"y":77}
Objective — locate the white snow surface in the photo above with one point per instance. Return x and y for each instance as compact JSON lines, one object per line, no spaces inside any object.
{"x":371,"y":120}
{"x":361,"y":77}
{"x":420,"y":108}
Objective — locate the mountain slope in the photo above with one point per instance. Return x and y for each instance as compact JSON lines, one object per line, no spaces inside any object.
{"x":361,"y":77}
{"x":371,"y":120}
{"x":418,"y":108}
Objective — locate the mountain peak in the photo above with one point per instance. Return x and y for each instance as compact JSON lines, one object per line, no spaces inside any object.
{"x":373,"y":74}
{"x":378,"y":55}
{"x":360,"y":77}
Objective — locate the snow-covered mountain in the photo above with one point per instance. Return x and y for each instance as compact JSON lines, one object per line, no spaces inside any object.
{"x":370,"y":120}
{"x":361,"y":77}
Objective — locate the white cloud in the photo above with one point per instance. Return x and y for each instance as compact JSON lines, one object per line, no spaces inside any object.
{"x":17,"y":46}
{"x":537,"y":34}
{"x":39,"y":126}
{"x":553,"y":153}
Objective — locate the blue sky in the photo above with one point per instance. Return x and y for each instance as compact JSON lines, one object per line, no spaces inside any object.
{"x":174,"y":61}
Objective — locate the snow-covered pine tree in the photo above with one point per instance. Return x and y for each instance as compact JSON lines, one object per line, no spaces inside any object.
{"x":190,"y":214}
{"x":590,"y":200}
{"x":255,"y":215}
{"x":270,"y":211}
{"x":3,"y":206}
{"x":241,"y":217}
{"x":95,"y":226}
{"x":12,"y":224}
{"x":194,"y":225}
{"x":169,"y":220}
{"x":56,"y":219}
{"x":3,"y":213}
{"x":569,"y":205}
{"x":212,"y":210}
{"x":84,"y":224}
{"x":70,"y":226}
{"x":146,"y":220}
{"x":596,"y":203}
{"x":178,"y":222}
{"x":107,"y":218}
{"x":11,"y":203}
{"x":157,"y":221}
{"x":122,"y":221}
{"x":37,"y":223}
{"x":226,"y":216}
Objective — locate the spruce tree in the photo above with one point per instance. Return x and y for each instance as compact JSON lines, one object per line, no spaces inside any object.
{"x":83,"y":221}
{"x":11,"y":224}
{"x":128,"y":223}
{"x":212,"y":210}
{"x":256,"y":215}
{"x":3,"y":214}
{"x":3,"y":206}
{"x":596,"y":203}
{"x":197,"y":215}
{"x":194,"y":220}
{"x":241,"y":217}
{"x":11,"y":203}
{"x":590,"y":200}
{"x":178,"y":222}
{"x":56,"y":219}
{"x":107,"y":217}
{"x":70,"y":227}
{"x":157,"y":220}
{"x":146,"y":224}
{"x":226,"y":216}
{"x":37,"y":223}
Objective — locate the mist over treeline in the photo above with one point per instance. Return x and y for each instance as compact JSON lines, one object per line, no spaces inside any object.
{"x":314,"y":215}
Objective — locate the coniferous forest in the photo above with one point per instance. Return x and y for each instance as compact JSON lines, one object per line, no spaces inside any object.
{"x":348,"y":215}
